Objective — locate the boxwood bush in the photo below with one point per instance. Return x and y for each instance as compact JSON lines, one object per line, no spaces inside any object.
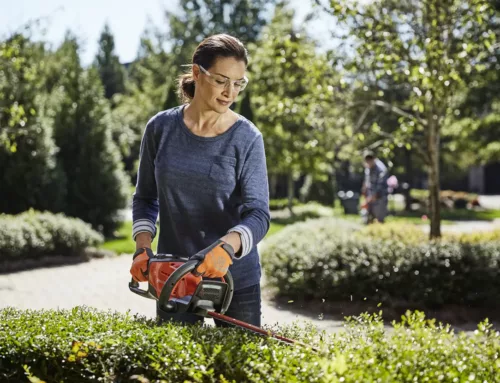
{"x":33,"y":234}
{"x":85,"y":345}
{"x":328,"y":258}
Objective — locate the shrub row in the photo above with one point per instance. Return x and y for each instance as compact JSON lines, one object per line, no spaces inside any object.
{"x":282,"y":203}
{"x":83,"y":345}
{"x":412,"y":234}
{"x":448,"y":198}
{"x":33,"y":234}
{"x":329,"y":258}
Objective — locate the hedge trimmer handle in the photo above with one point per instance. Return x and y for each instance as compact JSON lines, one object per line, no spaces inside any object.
{"x":181,"y":272}
{"x":133,"y":285}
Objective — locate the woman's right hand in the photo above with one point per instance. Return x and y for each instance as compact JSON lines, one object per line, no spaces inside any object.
{"x":140,"y":264}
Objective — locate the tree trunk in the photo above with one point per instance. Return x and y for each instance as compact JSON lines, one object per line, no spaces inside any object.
{"x":409,"y":180}
{"x":273,"y":182}
{"x":434,"y":189}
{"x":290,"y":193}
{"x":306,"y":188}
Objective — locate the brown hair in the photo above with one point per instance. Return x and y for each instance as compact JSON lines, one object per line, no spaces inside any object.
{"x":206,"y":53}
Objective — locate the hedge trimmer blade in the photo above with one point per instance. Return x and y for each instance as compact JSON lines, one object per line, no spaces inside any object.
{"x":257,"y":330}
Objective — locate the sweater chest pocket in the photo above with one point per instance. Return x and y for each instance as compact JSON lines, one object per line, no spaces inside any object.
{"x":223,"y":170}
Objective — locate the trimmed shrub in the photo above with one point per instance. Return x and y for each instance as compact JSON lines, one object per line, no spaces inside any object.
{"x":301,"y":213}
{"x":282,"y":203}
{"x":411,"y":234}
{"x":323,"y":259}
{"x":83,"y":345}
{"x":448,"y":198}
{"x":33,"y":234}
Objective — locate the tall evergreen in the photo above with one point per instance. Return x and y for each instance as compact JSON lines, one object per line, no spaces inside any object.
{"x":97,"y":185}
{"x":111,"y":72}
{"x":29,"y":176}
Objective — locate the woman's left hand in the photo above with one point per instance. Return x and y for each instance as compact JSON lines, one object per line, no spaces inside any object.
{"x":214,"y":260}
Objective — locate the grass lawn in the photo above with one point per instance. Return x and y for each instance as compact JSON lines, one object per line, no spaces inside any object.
{"x":124,"y":244}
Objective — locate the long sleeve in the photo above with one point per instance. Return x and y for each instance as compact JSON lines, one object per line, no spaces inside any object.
{"x":255,"y":198}
{"x":145,"y":200}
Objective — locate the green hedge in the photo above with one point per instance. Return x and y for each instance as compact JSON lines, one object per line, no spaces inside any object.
{"x":327,"y":258}
{"x":411,"y":233}
{"x":83,"y":345}
{"x":282,"y":203}
{"x":33,"y":234}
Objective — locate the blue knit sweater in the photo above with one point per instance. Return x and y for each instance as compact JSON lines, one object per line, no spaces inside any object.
{"x":203,"y":188}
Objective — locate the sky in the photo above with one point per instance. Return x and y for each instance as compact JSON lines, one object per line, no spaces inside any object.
{"x":86,"y":18}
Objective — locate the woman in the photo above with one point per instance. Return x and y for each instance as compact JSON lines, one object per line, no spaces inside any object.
{"x":203,"y":169}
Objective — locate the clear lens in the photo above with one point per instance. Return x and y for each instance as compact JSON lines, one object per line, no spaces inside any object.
{"x":222,"y":82}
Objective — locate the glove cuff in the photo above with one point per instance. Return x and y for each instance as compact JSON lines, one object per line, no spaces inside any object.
{"x":229,"y":249}
{"x":141,"y":250}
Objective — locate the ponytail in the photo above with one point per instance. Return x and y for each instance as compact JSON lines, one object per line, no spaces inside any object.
{"x":185,"y":89}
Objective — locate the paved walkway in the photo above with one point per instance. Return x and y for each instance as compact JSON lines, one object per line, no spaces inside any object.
{"x":103,"y":284}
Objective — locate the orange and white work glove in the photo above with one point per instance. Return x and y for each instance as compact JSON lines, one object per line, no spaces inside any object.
{"x":140,"y":264}
{"x":214,"y":260}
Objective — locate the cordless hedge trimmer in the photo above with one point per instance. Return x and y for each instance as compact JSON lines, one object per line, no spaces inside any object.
{"x":172,"y":283}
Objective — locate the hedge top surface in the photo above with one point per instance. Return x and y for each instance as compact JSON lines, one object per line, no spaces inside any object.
{"x":83,"y":345}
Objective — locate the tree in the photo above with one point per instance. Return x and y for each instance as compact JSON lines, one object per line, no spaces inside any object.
{"x":97,"y":186}
{"x":292,"y":88}
{"x":111,"y":72}
{"x":245,"y":107}
{"x":199,"y":19}
{"x":474,"y":133}
{"x":428,"y":47}
{"x":30,"y":177}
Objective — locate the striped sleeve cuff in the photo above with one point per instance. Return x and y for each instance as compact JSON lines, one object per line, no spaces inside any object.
{"x":246,"y":239}
{"x":143,"y":226}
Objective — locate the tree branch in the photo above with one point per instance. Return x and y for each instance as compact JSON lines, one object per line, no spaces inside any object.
{"x":398,"y":111}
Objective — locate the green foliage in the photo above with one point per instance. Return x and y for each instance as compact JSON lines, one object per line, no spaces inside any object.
{"x":197,"y":20}
{"x":122,"y":242}
{"x":413,"y":234}
{"x":34,"y":234}
{"x":414,"y":49}
{"x":447,"y":198}
{"x":302,"y":212}
{"x":475,"y":132}
{"x":292,"y":89}
{"x":110,"y":70}
{"x":282,"y":203}
{"x":150,"y":87}
{"x":476,"y":137}
{"x":96,"y":183}
{"x":323,"y":259}
{"x":129,"y":118}
{"x":245,"y":106}
{"x":82,"y":345}
{"x":30,"y":176}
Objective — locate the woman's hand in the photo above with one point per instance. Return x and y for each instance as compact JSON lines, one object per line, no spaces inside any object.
{"x":214,"y":261}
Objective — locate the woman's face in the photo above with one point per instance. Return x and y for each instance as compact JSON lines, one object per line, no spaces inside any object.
{"x":214,"y":88}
